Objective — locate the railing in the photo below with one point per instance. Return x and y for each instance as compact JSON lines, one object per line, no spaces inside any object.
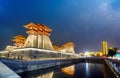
{"x":114,"y":66}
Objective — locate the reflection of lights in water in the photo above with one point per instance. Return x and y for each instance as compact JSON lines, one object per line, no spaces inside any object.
{"x":69,"y":70}
{"x":87,"y":69}
{"x":47,"y":75}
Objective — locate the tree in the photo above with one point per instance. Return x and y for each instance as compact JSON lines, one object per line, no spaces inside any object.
{"x":112,"y":51}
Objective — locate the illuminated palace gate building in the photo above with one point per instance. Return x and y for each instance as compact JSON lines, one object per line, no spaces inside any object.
{"x":37,"y":45}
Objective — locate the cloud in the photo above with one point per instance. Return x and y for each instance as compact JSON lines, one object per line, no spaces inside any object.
{"x":106,"y":9}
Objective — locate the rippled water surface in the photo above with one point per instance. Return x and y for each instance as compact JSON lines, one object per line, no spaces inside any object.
{"x":81,"y":70}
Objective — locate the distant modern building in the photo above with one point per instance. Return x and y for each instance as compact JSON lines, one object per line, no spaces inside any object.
{"x":104,"y":48}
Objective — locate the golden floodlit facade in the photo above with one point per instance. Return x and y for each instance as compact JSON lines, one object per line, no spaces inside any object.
{"x":38,"y":36}
{"x":68,"y":47}
{"x":38,"y":45}
{"x":19,"y":40}
{"x":104,"y":48}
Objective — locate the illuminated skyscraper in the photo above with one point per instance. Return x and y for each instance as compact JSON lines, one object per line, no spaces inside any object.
{"x":104,"y":48}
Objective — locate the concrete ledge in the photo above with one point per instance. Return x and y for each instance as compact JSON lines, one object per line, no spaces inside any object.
{"x":6,"y":72}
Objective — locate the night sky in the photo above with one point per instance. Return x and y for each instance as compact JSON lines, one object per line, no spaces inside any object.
{"x":86,"y":23}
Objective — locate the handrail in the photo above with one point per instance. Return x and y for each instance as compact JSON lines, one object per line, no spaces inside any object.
{"x":112,"y":68}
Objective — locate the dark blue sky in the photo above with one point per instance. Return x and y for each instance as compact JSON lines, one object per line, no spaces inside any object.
{"x":84,"y":22}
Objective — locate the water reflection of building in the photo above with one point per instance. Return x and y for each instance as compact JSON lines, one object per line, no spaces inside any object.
{"x":47,"y":75}
{"x":70,"y":70}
